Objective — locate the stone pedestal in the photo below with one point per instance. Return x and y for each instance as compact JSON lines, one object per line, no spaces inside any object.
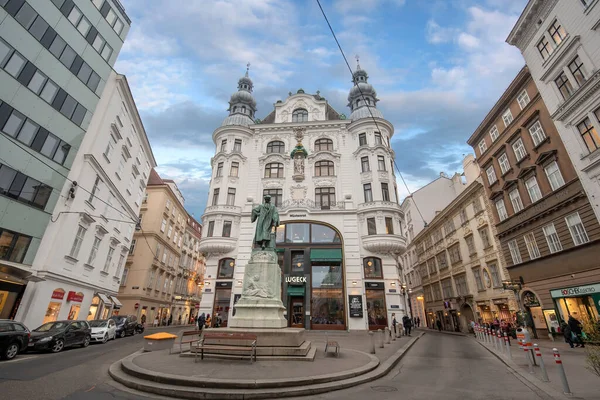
{"x":260,"y":305}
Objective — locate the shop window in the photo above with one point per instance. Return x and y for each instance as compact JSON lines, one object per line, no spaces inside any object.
{"x":226,"y":267}
{"x":372,"y":268}
{"x":327,"y":302}
{"x":324,"y":234}
{"x":54,"y":306}
{"x":376,"y":309}
{"x":297,"y":233}
{"x":280,"y":234}
{"x":220,"y":312}
{"x":298,"y":261}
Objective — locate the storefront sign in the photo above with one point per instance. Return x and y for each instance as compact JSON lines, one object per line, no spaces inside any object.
{"x":375,"y":285}
{"x":58,"y":295}
{"x":356,"y":306}
{"x":76,"y":297}
{"x":482,"y":303}
{"x":576,"y":291}
{"x":298,"y":215}
{"x":394,"y":306}
{"x":207,"y":290}
{"x":530,"y":300}
{"x":392,"y":290}
{"x":295,"y":279}
{"x":499,"y":301}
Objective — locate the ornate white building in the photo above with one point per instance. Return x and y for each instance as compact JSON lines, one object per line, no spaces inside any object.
{"x":332,"y":179}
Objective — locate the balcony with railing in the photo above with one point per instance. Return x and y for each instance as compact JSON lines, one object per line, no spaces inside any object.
{"x":311,"y":205}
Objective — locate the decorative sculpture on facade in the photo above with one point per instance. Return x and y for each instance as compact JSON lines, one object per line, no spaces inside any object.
{"x":299,"y":154}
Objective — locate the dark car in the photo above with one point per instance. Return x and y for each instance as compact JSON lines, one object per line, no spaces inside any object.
{"x":14,"y":337}
{"x":126,"y":324}
{"x":55,"y":336}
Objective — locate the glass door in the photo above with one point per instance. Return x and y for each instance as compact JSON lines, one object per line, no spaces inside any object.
{"x":376,"y":309}
{"x":297,"y":314}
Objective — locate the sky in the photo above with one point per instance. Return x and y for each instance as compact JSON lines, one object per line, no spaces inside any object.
{"x":438,"y":67}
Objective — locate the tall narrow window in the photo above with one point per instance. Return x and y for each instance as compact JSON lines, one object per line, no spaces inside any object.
{"x":389,"y":225}
{"x":274,"y":170}
{"x":515,"y":254}
{"x":515,"y":200}
{"x":485,"y":239}
{"x":496,"y":281}
{"x":226,"y":229}
{"x":533,"y":189}
{"x":482,"y":146}
{"x":368,"y":192}
{"x":275,"y":146}
{"x":300,"y":115}
{"x":132,"y":247}
{"x":576,"y":68}
{"x":235,"y":168}
{"x":523,"y":99}
{"x":381,"y":163}
{"x":491,"y":175}
{"x":324,"y":168}
{"x":537,"y":133}
{"x":324,"y":145}
{"x":589,"y":134}
{"x":519,"y":149}
{"x":385,"y":192}
{"x":231,"y":196}
{"x":501,"y":208}
{"x":79,"y":236}
{"x":211,"y":228}
{"x":276,"y":196}
{"x":215,"y":198}
{"x":471,"y":245}
{"x":364,"y":164}
{"x":564,"y":85}
{"x":371,"y":226}
{"x":507,"y":117}
{"x":362,"y":139}
{"x":219,"y":170}
{"x":545,"y":48}
{"x":552,"y":238}
{"x":237,"y":145}
{"x":532,"y":247}
{"x":94,"y":251}
{"x":478,"y":281}
{"x":95,"y":190}
{"x":557,"y":32}
{"x":163,"y":225}
{"x":169,"y":231}
{"x":109,"y":257}
{"x":224,"y":145}
{"x":494,"y":133}
{"x":378,"y":138}
{"x":325,"y":197}
{"x":504,"y":164}
{"x":554,"y":176}
{"x":577,"y":229}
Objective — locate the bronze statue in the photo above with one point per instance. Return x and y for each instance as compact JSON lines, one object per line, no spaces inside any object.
{"x":268,"y":218}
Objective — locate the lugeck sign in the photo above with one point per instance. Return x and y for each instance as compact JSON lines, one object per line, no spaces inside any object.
{"x":295,"y":279}
{"x":575,"y":291}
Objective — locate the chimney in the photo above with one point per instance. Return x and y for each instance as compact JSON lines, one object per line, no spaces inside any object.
{"x":471,"y":168}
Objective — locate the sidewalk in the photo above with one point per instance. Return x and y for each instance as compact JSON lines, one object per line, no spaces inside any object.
{"x":583,"y":383}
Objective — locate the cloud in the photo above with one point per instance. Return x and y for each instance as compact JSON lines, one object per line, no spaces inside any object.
{"x":437,"y":34}
{"x":347,"y":6}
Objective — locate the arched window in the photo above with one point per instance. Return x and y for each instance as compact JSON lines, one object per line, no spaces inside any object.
{"x":300,"y":115}
{"x":244,"y":109}
{"x":226,"y":267}
{"x":274,"y":170}
{"x":368,"y":101}
{"x":324,"y":168}
{"x":358,"y":103}
{"x":324,"y":145}
{"x":372,"y":268}
{"x":234,"y":108}
{"x":275,"y":146}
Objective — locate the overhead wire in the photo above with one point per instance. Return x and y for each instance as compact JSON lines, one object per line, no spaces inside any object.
{"x":364,"y":99}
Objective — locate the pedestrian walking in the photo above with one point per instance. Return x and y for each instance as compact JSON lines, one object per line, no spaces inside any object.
{"x":201,"y":321}
{"x":472,"y":324}
{"x":438,"y":323}
{"x":143,"y":319}
{"x":407,"y":324}
{"x":577,"y":333}
{"x":170,"y":321}
{"x":179,"y":320}
{"x":566,"y":331}
{"x":394,"y":322}
{"x":208,"y":321}
{"x":418,"y":322}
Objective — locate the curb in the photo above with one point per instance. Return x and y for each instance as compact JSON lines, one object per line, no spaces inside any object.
{"x":268,"y":388}
{"x":530,"y":380}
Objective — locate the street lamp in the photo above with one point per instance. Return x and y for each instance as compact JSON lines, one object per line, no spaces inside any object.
{"x":516,"y":287}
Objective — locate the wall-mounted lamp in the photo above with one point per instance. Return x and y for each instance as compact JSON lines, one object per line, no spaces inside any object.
{"x":207,"y":283}
{"x":239,"y":282}
{"x":393,"y":284}
{"x":354,"y":282}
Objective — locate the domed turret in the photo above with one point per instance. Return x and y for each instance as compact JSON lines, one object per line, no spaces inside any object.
{"x":242,"y":105}
{"x":362,"y":98}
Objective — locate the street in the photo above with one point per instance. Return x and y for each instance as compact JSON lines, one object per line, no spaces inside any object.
{"x":437,"y":366}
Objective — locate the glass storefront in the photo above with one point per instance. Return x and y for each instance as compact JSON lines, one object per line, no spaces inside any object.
{"x":11,"y":293}
{"x":221,"y":307}
{"x":376,"y":308}
{"x":582,"y":302}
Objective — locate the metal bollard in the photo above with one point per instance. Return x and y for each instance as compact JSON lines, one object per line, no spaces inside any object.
{"x":372,"y":336}
{"x":485,"y":334}
{"x":494,"y":341}
{"x":526,"y":349}
{"x":506,"y":342}
{"x":393,"y":334}
{"x":380,"y":338}
{"x":561,"y":370}
{"x":386,"y":332}
{"x":500,"y":347}
{"x":538,"y":354}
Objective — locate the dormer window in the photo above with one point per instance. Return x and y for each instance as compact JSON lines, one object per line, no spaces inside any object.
{"x":234,"y":108}
{"x":300,"y":115}
{"x":243,"y":109}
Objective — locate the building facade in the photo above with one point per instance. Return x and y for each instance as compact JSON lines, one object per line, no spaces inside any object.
{"x":190,"y":275}
{"x":332,"y":179}
{"x":55,"y":59}
{"x":544,"y":220}
{"x":153,"y":264}
{"x":562,"y":52}
{"x":461,"y":266}
{"x":419,"y":207}
{"x":83,"y":251}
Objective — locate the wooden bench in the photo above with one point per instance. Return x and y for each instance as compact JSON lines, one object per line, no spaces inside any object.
{"x":332,"y":344}
{"x":207,"y":342}
{"x":188,"y":334}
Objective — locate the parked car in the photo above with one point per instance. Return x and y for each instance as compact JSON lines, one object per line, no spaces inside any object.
{"x":103,"y":330}
{"x":55,"y":336}
{"x":14,"y":337}
{"x":125,"y":324}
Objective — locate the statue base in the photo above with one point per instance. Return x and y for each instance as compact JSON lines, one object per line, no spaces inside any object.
{"x":260,"y":305}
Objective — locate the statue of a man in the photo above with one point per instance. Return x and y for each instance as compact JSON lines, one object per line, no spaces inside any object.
{"x":267,"y":218}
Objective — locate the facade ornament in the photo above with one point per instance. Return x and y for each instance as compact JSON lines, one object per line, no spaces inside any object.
{"x":299,"y":155}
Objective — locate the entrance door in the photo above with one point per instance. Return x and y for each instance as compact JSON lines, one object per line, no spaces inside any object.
{"x":376,"y":309}
{"x":297,"y":313}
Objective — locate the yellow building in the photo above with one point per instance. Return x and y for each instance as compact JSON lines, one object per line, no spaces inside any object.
{"x":151,"y":272}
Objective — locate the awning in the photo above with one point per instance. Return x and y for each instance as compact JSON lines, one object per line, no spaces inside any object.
{"x":104,"y":299}
{"x":295,"y":290}
{"x":326,"y":254}
{"x":116,"y":301}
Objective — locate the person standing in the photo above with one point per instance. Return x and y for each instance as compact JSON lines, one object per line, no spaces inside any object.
{"x":170,"y":320}
{"x":394,"y":322}
{"x":201,"y":321}
{"x":208,"y":321}
{"x":407,"y":324}
{"x":418,"y":322}
{"x":438,"y":323}
{"x":575,"y":326}
{"x":566,"y":331}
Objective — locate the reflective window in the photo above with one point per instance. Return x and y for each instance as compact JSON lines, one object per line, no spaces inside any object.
{"x":324,"y":234}
{"x":300,"y":115}
{"x":297,"y":233}
{"x":372,"y":268}
{"x":226,"y":267}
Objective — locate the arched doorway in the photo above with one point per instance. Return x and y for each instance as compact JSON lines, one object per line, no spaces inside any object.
{"x":534,"y":317}
{"x":466,"y":316}
{"x":310,"y":255}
